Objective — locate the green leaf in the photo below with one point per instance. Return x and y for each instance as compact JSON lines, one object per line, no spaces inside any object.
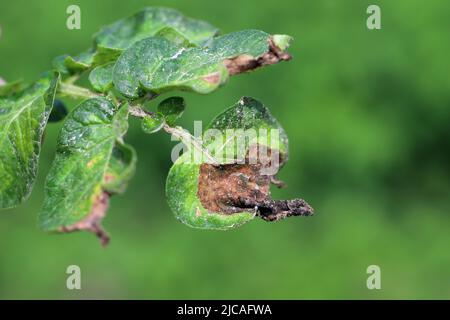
{"x":249,"y":114}
{"x":181,"y":191}
{"x":152,"y":124}
{"x":113,"y":39}
{"x":23,"y":117}
{"x":74,"y":64}
{"x":91,"y":163}
{"x":172,"y":108}
{"x":174,"y":36}
{"x":147,"y":23}
{"x":101,"y":77}
{"x":183,"y":182}
{"x":157,"y":65}
{"x":121,"y":168}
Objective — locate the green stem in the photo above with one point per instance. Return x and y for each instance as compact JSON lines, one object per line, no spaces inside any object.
{"x":76,"y":92}
{"x":177,"y":132}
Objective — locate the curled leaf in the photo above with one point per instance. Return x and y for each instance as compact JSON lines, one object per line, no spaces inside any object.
{"x":74,"y":64}
{"x":157,"y":65}
{"x":251,"y":147}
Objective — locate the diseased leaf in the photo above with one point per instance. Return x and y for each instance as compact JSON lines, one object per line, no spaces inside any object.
{"x":23,"y":117}
{"x":113,"y":39}
{"x":208,"y":196}
{"x":91,"y":163}
{"x":157,"y":65}
{"x":101,"y":77}
{"x":172,"y":108}
{"x":248,"y":119}
{"x":181,"y":191}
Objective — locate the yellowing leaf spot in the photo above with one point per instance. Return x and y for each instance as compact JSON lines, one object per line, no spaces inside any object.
{"x":91,"y":163}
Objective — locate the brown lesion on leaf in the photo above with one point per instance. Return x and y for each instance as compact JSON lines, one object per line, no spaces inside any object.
{"x":221,"y":187}
{"x":231,"y":188}
{"x":274,"y":210}
{"x":245,"y":63}
{"x":212,"y":78}
{"x":92,"y":222}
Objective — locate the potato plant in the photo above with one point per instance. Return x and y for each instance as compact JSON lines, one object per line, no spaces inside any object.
{"x":131,"y":62}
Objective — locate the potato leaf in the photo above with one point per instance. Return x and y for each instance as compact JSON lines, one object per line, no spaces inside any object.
{"x":184,"y":194}
{"x":113,"y":39}
{"x":91,"y":163}
{"x":74,"y":64}
{"x":23,"y":117}
{"x":172,"y":108}
{"x":175,"y":36}
{"x":248,"y":113}
{"x":101,"y":77}
{"x":157,"y":65}
{"x":148,"y":22}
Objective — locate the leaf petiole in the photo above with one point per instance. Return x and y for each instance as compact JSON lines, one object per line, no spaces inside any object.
{"x":76,"y":92}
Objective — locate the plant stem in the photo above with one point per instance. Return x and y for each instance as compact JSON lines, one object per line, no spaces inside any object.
{"x":76,"y":92}
{"x":178,"y":132}
{"x":138,"y":112}
{"x":72,"y":79}
{"x":191,"y":141}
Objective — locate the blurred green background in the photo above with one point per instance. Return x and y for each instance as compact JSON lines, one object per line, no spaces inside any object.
{"x":367,"y":113}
